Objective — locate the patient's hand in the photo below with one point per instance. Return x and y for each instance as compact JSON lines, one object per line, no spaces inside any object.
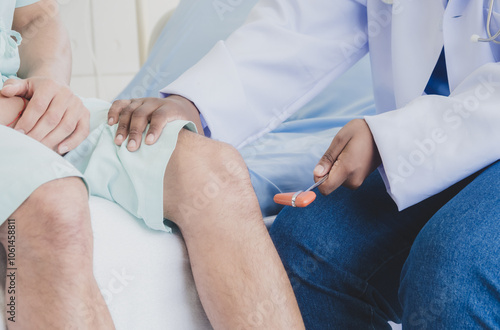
{"x":134,"y":115}
{"x":55,"y":116}
{"x":10,"y":107}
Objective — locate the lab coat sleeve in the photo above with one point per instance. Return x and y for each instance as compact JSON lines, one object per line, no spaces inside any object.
{"x":435,"y":141}
{"x":286,"y":53}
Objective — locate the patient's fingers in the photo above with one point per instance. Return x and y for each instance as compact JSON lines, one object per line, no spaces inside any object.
{"x":75,"y":118}
{"x":52,"y":118}
{"x":15,"y":87}
{"x":124,"y":121}
{"x":36,"y":108}
{"x":80,"y":133}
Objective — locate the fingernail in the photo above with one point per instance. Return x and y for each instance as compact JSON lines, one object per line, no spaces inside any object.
{"x":150,"y":138}
{"x":131,"y":144}
{"x":63,"y":149}
{"x":110,"y":121}
{"x":21,"y":131}
{"x":119,"y":138}
{"x":318,"y":170}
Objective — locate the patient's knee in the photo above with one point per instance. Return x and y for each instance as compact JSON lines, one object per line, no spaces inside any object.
{"x":56,"y":216}
{"x":205,"y":174}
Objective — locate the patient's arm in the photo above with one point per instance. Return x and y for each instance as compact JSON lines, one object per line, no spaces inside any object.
{"x":57,"y":117}
{"x":10,"y":107}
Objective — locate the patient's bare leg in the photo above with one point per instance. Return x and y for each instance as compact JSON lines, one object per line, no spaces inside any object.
{"x":53,"y":279}
{"x":239,"y":276}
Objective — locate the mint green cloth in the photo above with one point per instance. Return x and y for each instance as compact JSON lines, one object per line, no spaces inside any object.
{"x":134,"y":180}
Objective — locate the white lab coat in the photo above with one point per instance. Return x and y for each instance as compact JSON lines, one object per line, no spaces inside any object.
{"x":290,"y":49}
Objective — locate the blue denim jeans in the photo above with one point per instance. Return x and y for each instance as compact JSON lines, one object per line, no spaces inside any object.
{"x":355,"y":262}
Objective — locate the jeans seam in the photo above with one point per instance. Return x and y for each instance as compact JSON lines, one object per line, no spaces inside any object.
{"x":387,"y":260}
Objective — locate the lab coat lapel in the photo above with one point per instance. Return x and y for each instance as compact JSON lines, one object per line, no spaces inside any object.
{"x":417,"y":41}
{"x":464,"y":18}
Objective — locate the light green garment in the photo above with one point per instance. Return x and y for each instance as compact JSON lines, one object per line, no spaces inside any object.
{"x":9,"y":40}
{"x":134,"y":180}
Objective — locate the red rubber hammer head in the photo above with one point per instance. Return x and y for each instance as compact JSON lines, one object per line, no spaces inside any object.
{"x":302,"y":199}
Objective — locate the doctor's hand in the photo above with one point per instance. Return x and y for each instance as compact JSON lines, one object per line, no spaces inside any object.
{"x":351,"y":157}
{"x":134,"y":115}
{"x":54,"y":115}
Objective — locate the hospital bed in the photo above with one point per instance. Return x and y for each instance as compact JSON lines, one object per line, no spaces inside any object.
{"x":145,"y":275}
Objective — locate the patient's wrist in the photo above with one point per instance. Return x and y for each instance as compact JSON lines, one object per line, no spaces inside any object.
{"x":10,"y":109}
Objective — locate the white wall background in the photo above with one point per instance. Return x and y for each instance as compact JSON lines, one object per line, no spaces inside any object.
{"x":109,"y":39}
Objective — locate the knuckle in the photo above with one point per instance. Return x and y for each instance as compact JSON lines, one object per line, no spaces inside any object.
{"x":126,"y":111}
{"x":160,"y":114}
{"x":340,"y":138}
{"x":134,"y":131}
{"x":354,"y":182}
{"x":120,"y":103}
{"x":139,"y":114}
{"x":38,"y":106}
{"x":122,"y":127}
{"x":153,"y":127}
{"x":327,"y":157}
{"x":52,"y":120}
{"x":68,"y":127}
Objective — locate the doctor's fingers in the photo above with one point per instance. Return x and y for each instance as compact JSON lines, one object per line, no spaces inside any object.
{"x":139,"y":121}
{"x":348,"y":171}
{"x":175,"y":107}
{"x":332,"y":153}
{"x":337,"y":176}
{"x":115,"y":110}
{"x":125,"y":109}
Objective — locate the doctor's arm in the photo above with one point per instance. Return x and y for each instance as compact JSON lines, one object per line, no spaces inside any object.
{"x":54,"y":116}
{"x":425,"y":147}
{"x":283,"y":56}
